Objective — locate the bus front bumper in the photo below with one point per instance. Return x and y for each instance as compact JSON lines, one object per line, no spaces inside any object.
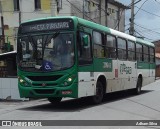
{"x":46,"y":92}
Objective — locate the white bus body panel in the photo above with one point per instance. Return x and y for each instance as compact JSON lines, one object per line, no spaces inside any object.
{"x":86,"y":84}
{"x":127,"y":73}
{"x":125,"y":79}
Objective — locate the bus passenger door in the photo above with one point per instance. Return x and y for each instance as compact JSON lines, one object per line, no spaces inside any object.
{"x":126,"y":63}
{"x":85,"y":64}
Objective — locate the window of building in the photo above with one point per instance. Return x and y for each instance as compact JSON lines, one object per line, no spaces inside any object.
{"x":111,"y":47}
{"x":109,"y":10}
{"x":86,"y":6}
{"x":116,"y":15}
{"x":146,"y":53}
{"x":37,"y":4}
{"x":152,"y":51}
{"x":113,"y":11}
{"x":131,"y":51}
{"x":59,"y":4}
{"x":16,"y":5}
{"x":139,"y":54}
{"x":98,"y":45}
{"x":122,"y":53}
{"x":84,"y":52}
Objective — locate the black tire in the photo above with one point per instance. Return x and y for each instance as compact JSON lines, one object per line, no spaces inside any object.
{"x":138,"y":88}
{"x":55,"y":100}
{"x":96,"y":99}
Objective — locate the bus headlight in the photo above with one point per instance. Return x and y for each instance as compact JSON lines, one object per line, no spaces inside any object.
{"x":22,"y":81}
{"x":69,"y":80}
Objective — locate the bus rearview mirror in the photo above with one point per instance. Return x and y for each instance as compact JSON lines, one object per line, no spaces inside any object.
{"x":85,"y":40}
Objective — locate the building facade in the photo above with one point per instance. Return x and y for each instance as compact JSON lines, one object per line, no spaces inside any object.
{"x":16,"y":11}
{"x":157,"y":55}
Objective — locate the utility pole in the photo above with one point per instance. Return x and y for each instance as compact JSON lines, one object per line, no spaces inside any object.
{"x":20,"y":14}
{"x":131,"y":32}
{"x":2,"y":24}
{"x":83,"y":9}
{"x":53,"y":8}
{"x":106,"y":12}
{"x":100,"y":3}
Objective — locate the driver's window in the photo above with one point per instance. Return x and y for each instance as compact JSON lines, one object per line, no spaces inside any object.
{"x":84,"y":51}
{"x":26,"y":48}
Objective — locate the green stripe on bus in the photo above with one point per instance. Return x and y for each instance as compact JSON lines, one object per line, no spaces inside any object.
{"x":143,"y":65}
{"x":103,"y":65}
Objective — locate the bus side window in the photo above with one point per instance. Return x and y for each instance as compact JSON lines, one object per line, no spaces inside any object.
{"x":139,"y":54}
{"x":131,"y":51}
{"x":152,"y":58}
{"x":84,"y":51}
{"x":111,"y":47}
{"x":146,"y":53}
{"x":122,"y":53}
{"x":98,"y":45}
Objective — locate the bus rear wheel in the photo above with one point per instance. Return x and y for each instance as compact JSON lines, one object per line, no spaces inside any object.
{"x":137,"y":90}
{"x":55,"y":100}
{"x":99,"y":93}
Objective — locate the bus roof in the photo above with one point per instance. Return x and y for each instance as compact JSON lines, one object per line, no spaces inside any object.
{"x":47,"y":18}
{"x":98,"y":27}
{"x":113,"y":32}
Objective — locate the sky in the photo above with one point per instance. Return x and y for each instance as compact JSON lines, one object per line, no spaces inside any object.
{"x":147,"y":19}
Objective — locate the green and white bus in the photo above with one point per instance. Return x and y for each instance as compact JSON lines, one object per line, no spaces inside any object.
{"x":71,"y":57}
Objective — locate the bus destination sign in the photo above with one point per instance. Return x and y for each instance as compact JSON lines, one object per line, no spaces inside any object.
{"x":47,"y":26}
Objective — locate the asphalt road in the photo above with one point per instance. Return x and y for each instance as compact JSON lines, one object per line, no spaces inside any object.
{"x":116,"y":106}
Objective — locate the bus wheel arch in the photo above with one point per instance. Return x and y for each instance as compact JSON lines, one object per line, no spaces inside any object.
{"x":103,"y":80}
{"x":100,"y":90}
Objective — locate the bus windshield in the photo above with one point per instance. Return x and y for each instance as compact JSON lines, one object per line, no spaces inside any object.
{"x":45,"y":52}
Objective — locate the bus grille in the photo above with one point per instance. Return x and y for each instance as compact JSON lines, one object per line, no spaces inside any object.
{"x":44,"y":91}
{"x":44,"y":78}
{"x":46,"y":84}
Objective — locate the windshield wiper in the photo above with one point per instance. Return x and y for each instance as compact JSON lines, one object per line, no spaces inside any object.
{"x":47,"y":40}
{"x":56,"y":34}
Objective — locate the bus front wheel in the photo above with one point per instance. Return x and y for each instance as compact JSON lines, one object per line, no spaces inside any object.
{"x":96,"y":99}
{"x":55,"y":100}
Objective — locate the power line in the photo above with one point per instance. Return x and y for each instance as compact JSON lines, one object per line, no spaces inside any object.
{"x":134,"y":3}
{"x":148,"y":12}
{"x":157,"y":1}
{"x":126,"y":29}
{"x":147,"y":29}
{"x":92,"y":19}
{"x":147,"y":33}
{"x":119,"y":19}
{"x":79,"y":10}
{"x":140,"y":7}
{"x":39,"y":12}
{"x":143,"y":35}
{"x":127,"y":24}
{"x":150,"y":33}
